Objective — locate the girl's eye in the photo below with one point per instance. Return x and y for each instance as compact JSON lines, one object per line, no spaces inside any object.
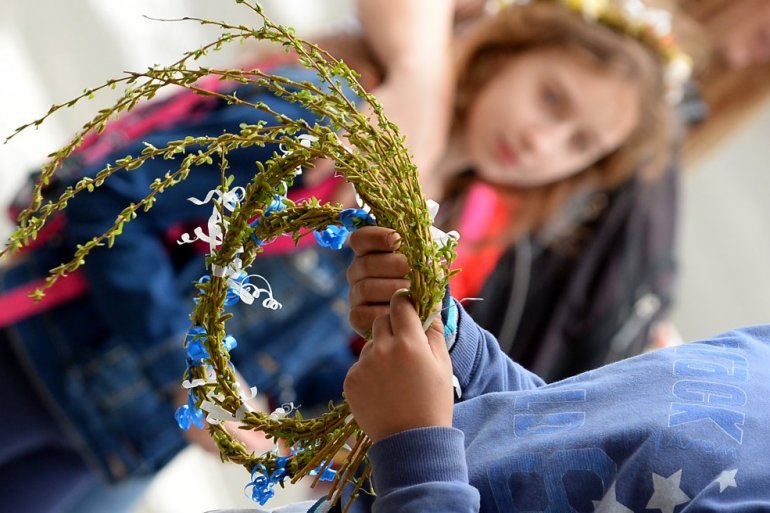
{"x":552,"y":99}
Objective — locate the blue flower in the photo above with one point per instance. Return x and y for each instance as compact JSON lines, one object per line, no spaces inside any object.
{"x":333,"y":237}
{"x":203,"y":279}
{"x":352,"y":218}
{"x":196,"y":351}
{"x":230,"y":343}
{"x":232,"y":297}
{"x":189,"y":415}
{"x":276,"y":206}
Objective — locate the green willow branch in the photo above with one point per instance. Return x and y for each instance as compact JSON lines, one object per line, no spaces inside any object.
{"x":374,"y":160}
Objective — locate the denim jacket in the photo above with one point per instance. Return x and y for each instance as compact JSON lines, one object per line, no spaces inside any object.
{"x":110,"y":362}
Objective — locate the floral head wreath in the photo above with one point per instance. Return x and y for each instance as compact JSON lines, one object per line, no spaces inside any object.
{"x":652,"y":27}
{"x":245,"y":218}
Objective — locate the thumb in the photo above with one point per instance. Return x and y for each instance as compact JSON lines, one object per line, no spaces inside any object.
{"x":436,"y":340}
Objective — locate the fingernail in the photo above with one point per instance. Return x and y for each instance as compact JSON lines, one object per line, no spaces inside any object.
{"x":402,"y":292}
{"x":394,"y":239}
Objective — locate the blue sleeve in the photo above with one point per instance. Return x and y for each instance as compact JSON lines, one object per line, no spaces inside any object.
{"x":480,"y":365}
{"x":422,"y":470}
{"x":135,"y":283}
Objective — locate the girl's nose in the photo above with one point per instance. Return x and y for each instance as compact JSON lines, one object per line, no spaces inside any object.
{"x":547,"y":138}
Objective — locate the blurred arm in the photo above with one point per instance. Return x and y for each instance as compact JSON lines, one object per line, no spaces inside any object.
{"x":412,"y":40}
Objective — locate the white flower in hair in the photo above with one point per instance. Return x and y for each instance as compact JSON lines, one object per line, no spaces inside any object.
{"x":591,"y":9}
{"x":677,"y":73}
{"x":632,"y":9}
{"x":651,"y":26}
{"x":659,"y":21}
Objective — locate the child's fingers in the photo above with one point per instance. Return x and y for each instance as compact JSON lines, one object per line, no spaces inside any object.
{"x":437,"y":342}
{"x":378,"y":265}
{"x":375,"y":290}
{"x":361,"y":317}
{"x":382,"y":327}
{"x":403,"y":316}
{"x":373,"y":239}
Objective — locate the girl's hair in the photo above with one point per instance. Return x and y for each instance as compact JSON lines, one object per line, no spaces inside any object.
{"x":515,"y":29}
{"x":731,"y":94}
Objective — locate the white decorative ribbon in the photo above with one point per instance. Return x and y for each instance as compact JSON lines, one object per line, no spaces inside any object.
{"x":305,"y":140}
{"x":282,"y":411}
{"x":440,"y":238}
{"x":248,"y":292}
{"x":238,"y":281}
{"x":217,"y":414}
{"x":216,"y":223}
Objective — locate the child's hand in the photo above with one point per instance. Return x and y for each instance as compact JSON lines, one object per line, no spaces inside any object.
{"x":375,"y":274}
{"x":403,"y":378}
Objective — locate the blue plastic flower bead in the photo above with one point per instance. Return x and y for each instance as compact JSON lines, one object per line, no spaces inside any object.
{"x":230,"y":343}
{"x":189,"y":415}
{"x":196,"y":351}
{"x":183,"y":417}
{"x":232,"y":297}
{"x":352,"y":218}
{"x":280,"y":472}
{"x":276,"y":206}
{"x":333,"y":237}
{"x":203,"y":279}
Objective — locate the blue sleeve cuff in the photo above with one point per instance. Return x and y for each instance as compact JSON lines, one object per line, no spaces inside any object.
{"x":418,"y":456}
{"x":449,"y":316}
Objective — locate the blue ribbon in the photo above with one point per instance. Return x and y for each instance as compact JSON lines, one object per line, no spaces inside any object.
{"x":327,"y":474}
{"x":262,"y":483}
{"x":352,"y":218}
{"x":332,"y":237}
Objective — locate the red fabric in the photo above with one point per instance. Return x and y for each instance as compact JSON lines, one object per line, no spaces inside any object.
{"x":135,"y":125}
{"x":484,"y":218}
{"x":16,"y":304}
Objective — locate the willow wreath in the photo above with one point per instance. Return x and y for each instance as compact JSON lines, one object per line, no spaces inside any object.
{"x":375,"y":161}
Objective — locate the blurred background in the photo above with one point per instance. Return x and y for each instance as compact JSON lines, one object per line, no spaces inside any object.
{"x":52,"y":50}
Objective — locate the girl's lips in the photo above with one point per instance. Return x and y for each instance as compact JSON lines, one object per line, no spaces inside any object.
{"x":506,"y":153}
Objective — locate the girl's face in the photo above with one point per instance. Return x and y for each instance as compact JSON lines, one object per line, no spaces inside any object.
{"x":547,"y":115}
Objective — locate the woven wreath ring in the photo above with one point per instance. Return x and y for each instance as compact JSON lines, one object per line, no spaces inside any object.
{"x":245,"y":217}
{"x":259,"y":213}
